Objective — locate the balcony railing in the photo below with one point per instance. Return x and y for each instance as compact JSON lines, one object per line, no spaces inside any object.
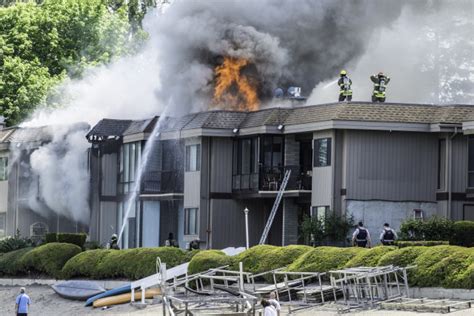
{"x":156,"y":182}
{"x":270,"y":179}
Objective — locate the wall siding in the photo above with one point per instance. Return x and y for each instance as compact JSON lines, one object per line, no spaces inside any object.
{"x":393,"y":166}
{"x":109,"y":174}
{"x":221,"y":165}
{"x":459,"y":164}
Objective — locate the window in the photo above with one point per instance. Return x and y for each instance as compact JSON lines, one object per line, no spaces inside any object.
{"x":245,"y":156}
{"x":441,"y":164}
{"x":193,"y":157}
{"x":418,"y":214}
{"x":320,"y":212}
{"x":322,"y":152}
{"x":3,"y":168}
{"x":470,"y":179}
{"x":190,"y":221}
{"x":130,"y":156}
{"x":272,"y":153}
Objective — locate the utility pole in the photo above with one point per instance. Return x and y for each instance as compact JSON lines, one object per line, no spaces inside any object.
{"x":246,"y":211}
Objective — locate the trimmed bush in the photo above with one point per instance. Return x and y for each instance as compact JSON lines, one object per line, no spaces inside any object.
{"x":431,"y":269}
{"x":253,"y":257}
{"x":265,"y":258}
{"x":69,"y":238}
{"x":463,"y":234}
{"x":207,"y":259}
{"x":137,"y":263}
{"x":323,"y":259}
{"x":463,"y":279}
{"x":10,"y":262}
{"x":402,"y":257}
{"x":84,"y":264}
{"x":190,"y":254}
{"x":51,"y":237}
{"x":49,"y":258}
{"x":435,"y":228}
{"x":427,"y":243}
{"x":369,"y":258}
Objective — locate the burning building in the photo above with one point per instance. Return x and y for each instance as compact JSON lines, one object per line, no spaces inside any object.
{"x":378,"y":163}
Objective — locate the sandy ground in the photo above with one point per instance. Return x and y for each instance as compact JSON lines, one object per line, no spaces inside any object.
{"x":46,"y":302}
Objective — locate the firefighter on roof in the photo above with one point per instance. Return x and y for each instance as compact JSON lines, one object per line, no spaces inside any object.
{"x":380,"y":86}
{"x":345,"y":83}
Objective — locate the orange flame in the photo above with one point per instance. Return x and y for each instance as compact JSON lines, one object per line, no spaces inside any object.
{"x":234,"y":90}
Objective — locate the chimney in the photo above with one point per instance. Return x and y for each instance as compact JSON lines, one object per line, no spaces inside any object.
{"x":2,"y":122}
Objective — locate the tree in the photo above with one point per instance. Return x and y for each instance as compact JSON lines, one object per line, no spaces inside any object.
{"x":41,"y":44}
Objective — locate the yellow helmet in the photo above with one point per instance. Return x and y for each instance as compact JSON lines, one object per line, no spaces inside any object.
{"x":343,"y":73}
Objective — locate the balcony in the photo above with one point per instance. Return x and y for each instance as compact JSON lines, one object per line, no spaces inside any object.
{"x":270,"y":179}
{"x":162,"y":182}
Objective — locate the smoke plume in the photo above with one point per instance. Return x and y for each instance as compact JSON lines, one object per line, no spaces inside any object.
{"x":304,"y":43}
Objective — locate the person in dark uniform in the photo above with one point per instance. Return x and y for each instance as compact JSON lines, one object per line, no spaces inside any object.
{"x":361,"y":236}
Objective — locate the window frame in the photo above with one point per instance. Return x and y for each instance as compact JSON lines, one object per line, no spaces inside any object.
{"x":197,"y":166}
{"x":317,"y":161}
{"x":187,"y":216}
{"x":130,"y":153}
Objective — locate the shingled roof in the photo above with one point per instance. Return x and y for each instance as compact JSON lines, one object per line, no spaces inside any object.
{"x":342,"y":111}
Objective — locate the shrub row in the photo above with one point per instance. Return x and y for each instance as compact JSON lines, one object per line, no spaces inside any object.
{"x":437,"y":266}
{"x":70,"y":238}
{"x":129,"y":264}
{"x":459,"y":233}
{"x":428,"y":243}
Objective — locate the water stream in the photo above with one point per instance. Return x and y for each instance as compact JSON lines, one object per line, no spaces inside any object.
{"x":149,"y":146}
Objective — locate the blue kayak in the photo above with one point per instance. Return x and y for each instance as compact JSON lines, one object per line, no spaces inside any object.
{"x":118,"y":290}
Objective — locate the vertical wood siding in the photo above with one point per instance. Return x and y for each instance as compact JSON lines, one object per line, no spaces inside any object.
{"x":393,"y":166}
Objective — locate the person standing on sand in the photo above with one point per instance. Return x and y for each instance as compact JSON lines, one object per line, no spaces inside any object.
{"x":22,"y":303}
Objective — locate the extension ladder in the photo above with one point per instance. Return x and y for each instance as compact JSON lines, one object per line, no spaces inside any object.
{"x":266,"y":230}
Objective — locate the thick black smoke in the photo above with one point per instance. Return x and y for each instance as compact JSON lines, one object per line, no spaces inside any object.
{"x":290,"y":42}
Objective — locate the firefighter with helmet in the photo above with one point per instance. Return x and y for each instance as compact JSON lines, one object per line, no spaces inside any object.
{"x":345,"y":90}
{"x":380,"y":86}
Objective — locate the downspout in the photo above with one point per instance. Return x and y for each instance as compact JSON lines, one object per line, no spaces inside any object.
{"x":450,"y":172}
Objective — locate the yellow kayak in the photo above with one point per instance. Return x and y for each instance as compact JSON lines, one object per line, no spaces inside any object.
{"x":125,"y":298}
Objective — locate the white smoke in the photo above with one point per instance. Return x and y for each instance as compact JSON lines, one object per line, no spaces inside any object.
{"x":61,"y":170}
{"x":427,"y":53}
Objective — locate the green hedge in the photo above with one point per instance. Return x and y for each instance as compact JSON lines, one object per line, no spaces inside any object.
{"x":70,"y":238}
{"x":49,"y":258}
{"x":427,"y":243}
{"x":442,"y":266}
{"x":207,"y":259}
{"x":369,"y":258}
{"x":253,"y":257}
{"x":10,"y":262}
{"x":322,"y":259}
{"x":402,"y":257}
{"x":84,"y":264}
{"x":463,"y":234}
{"x":265,"y":258}
{"x":137,"y":263}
